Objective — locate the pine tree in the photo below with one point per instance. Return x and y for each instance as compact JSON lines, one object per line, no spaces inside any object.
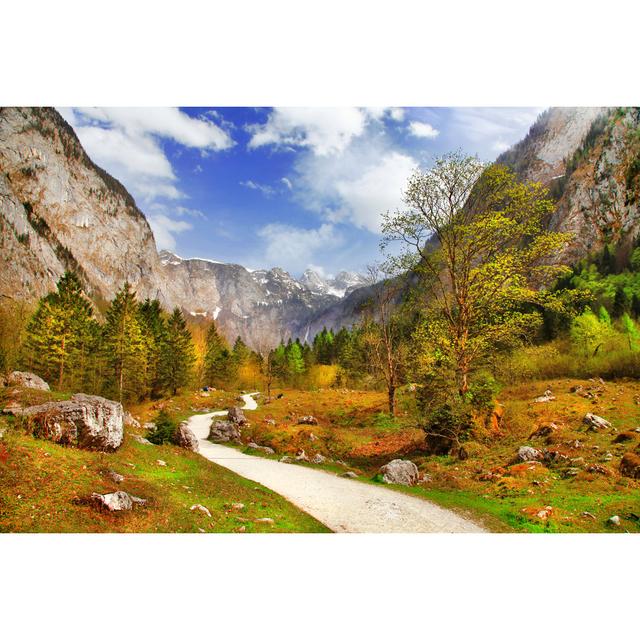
{"x":621,"y":303}
{"x":61,"y":335}
{"x":295,"y":362}
{"x":124,"y":348}
{"x":154,"y":332}
{"x":217,"y":359}
{"x":630,"y":329}
{"x":178,"y":353}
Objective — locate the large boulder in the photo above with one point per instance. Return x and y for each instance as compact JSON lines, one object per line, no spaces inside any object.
{"x":88,"y":422}
{"x":399,"y":472}
{"x":223,"y":431}
{"x":185,"y":438}
{"x":237,"y":416}
{"x":27,"y":379}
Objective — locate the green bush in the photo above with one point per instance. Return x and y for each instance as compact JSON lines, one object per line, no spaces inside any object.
{"x":164,"y":431}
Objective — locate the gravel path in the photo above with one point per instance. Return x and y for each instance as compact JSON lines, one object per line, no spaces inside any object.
{"x":342,"y":504}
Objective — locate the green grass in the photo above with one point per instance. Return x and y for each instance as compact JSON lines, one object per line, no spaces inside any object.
{"x":44,"y":487}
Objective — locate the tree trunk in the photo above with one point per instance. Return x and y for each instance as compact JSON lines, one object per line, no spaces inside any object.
{"x":392,"y":399}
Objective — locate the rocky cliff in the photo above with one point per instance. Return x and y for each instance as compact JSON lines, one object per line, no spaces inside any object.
{"x":59,"y":211}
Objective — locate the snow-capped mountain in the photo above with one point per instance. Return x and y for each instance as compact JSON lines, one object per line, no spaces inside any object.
{"x":262,"y":306}
{"x":340,"y":286}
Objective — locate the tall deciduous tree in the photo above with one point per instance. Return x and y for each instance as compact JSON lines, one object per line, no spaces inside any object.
{"x":475,"y":235}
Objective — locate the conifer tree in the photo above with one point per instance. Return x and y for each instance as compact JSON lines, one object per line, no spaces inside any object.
{"x":123,"y":347}
{"x":154,"y":332}
{"x":61,"y":334}
{"x":217,"y":358}
{"x":295,"y":362}
{"x":178,"y":353}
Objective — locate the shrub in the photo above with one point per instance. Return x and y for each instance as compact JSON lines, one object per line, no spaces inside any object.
{"x":448,"y":426}
{"x":165,"y":429}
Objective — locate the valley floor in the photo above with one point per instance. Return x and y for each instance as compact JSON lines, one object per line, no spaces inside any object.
{"x":342,"y":504}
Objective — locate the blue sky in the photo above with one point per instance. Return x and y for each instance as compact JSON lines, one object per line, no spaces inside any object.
{"x":288,"y":187}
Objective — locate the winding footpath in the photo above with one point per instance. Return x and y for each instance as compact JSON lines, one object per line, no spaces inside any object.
{"x":342,"y":504}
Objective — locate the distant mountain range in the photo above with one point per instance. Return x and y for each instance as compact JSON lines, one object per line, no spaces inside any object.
{"x":58,"y":211}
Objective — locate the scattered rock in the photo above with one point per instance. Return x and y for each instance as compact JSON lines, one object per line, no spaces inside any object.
{"x":598,"y":468}
{"x":130,"y":421}
{"x":318,"y":459}
{"x":630,"y":465}
{"x":236,"y":416}
{"x":88,"y":422}
{"x":161,"y":463}
{"x":117,"y":501}
{"x":114,"y":476}
{"x":547,"y":397}
{"x":27,"y":379}
{"x":286,"y":459}
{"x":349,"y":474}
{"x":614,"y":521}
{"x":570,"y":472}
{"x":140,"y":439}
{"x":185,"y":438}
{"x":527,"y":454}
{"x":399,"y":472}
{"x":586,"y":514}
{"x":264,"y":520}
{"x":312,"y":437}
{"x":595,"y":423}
{"x":237,"y":506}
{"x":307,"y":420}
{"x":257,"y":447}
{"x":223,"y":431}
{"x":149,"y":426}
{"x":544,"y":431}
{"x":301,"y":456}
{"x":201,"y":508}
{"x":577,"y":462}
{"x":13,"y":408}
{"x":608,"y":456}
{"x":270,"y":421}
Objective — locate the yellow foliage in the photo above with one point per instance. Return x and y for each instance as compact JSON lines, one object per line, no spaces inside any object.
{"x":249,"y":374}
{"x":323,"y":375}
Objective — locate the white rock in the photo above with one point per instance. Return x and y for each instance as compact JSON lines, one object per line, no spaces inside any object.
{"x":201,"y":508}
{"x":399,"y":472}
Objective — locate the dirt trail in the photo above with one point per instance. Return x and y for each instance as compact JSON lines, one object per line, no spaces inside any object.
{"x":342,"y":504}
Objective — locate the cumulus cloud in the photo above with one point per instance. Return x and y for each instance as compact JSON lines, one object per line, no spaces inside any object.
{"x":422,"y":130}
{"x":292,"y":247}
{"x":325,"y":131}
{"x":356,"y":187}
{"x":287,"y":183}
{"x":126,"y":142}
{"x":165,"y":228}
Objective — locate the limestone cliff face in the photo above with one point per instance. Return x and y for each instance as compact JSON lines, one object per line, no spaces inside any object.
{"x":60,"y":211}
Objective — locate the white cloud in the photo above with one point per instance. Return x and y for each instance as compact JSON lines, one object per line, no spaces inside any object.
{"x":126,"y":142}
{"x":397,"y":114}
{"x":293,"y":247}
{"x":165,"y":228}
{"x":496,"y":128}
{"x":325,"y":131}
{"x":166,"y":122}
{"x":422,"y":130}
{"x":287,"y":183}
{"x":265,"y":189}
{"x":358,"y":186}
